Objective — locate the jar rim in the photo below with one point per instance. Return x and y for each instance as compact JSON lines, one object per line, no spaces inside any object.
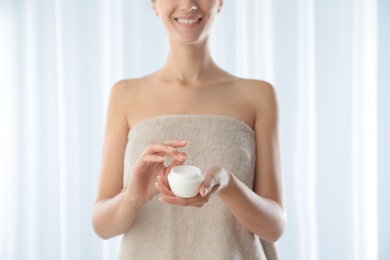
{"x":185,"y":172}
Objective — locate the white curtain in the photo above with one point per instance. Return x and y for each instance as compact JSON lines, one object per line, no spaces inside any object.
{"x":328,"y":60}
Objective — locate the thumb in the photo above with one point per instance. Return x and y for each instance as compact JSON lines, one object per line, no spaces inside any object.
{"x":204,"y":191}
{"x":208,"y":183}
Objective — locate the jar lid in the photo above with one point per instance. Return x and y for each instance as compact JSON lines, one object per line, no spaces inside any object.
{"x":185,"y":172}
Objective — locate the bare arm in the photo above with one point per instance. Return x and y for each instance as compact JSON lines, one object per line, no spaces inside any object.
{"x":116,"y":208}
{"x":261,"y":211}
{"x":110,"y":209}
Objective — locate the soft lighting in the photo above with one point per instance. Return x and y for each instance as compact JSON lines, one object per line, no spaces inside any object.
{"x":62,"y":165}
{"x":305,"y":162}
{"x":365,"y":131}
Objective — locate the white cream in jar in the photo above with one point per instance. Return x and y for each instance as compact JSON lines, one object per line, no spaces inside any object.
{"x":185,"y":180}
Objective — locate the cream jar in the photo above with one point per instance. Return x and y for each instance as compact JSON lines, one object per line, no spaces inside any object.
{"x":185,"y":181}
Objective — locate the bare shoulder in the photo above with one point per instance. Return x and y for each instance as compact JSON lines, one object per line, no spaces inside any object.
{"x":259,"y":93}
{"x":128,"y":95}
{"x":262,"y":97}
{"x":126,"y":87}
{"x":258,"y":89}
{"x":126,"y":91}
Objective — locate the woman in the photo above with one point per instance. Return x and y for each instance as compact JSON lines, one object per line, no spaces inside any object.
{"x":191,"y":112}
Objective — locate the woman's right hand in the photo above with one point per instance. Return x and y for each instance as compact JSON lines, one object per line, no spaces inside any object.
{"x":141,"y":185}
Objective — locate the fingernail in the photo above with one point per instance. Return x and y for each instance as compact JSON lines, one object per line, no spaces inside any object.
{"x":205,"y":191}
{"x":181,"y":156}
{"x":171,"y":148}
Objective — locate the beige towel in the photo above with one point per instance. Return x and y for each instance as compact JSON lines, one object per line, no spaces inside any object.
{"x":170,"y":232}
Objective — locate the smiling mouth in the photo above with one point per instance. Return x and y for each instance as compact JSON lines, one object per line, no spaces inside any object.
{"x":188,"y":21}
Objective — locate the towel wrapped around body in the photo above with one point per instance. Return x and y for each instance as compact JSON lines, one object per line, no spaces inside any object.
{"x":169,"y":232}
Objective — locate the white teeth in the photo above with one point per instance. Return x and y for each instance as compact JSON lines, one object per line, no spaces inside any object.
{"x":185,"y":21}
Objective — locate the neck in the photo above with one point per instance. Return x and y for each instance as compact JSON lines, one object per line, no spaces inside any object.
{"x":189,"y":63}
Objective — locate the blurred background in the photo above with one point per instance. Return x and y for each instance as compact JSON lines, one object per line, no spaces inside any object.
{"x":328,"y":60}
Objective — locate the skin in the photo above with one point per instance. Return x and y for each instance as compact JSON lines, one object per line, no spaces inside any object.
{"x":189,"y":83}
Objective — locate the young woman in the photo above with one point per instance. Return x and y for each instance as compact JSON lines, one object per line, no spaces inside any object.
{"x":191,"y":112}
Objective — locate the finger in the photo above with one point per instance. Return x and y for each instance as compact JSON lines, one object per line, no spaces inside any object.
{"x":157,"y":186}
{"x":205,"y":190}
{"x":159,"y":148}
{"x":164,"y":150}
{"x":179,"y":157}
{"x":147,"y":159}
{"x":163,"y":190}
{"x":210,"y":193}
{"x":210,"y":180}
{"x":176,"y":143}
{"x":179,"y":202}
{"x":176,"y":163}
{"x":165,"y":182}
{"x":162,"y":187}
{"x":195,"y":201}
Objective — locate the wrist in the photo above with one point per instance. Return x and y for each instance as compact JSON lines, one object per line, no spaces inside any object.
{"x":129,"y":201}
{"x":230,"y":186}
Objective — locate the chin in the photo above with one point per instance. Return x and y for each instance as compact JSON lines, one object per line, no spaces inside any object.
{"x":190,"y":40}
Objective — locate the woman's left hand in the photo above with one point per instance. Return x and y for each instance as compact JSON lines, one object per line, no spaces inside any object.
{"x":215,"y":180}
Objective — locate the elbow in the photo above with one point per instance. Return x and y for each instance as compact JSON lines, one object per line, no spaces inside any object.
{"x":99,"y":230}
{"x":99,"y":227}
{"x":277,"y":230}
{"x":275,"y":235}
{"x":280,"y":229}
{"x":102,"y":235}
